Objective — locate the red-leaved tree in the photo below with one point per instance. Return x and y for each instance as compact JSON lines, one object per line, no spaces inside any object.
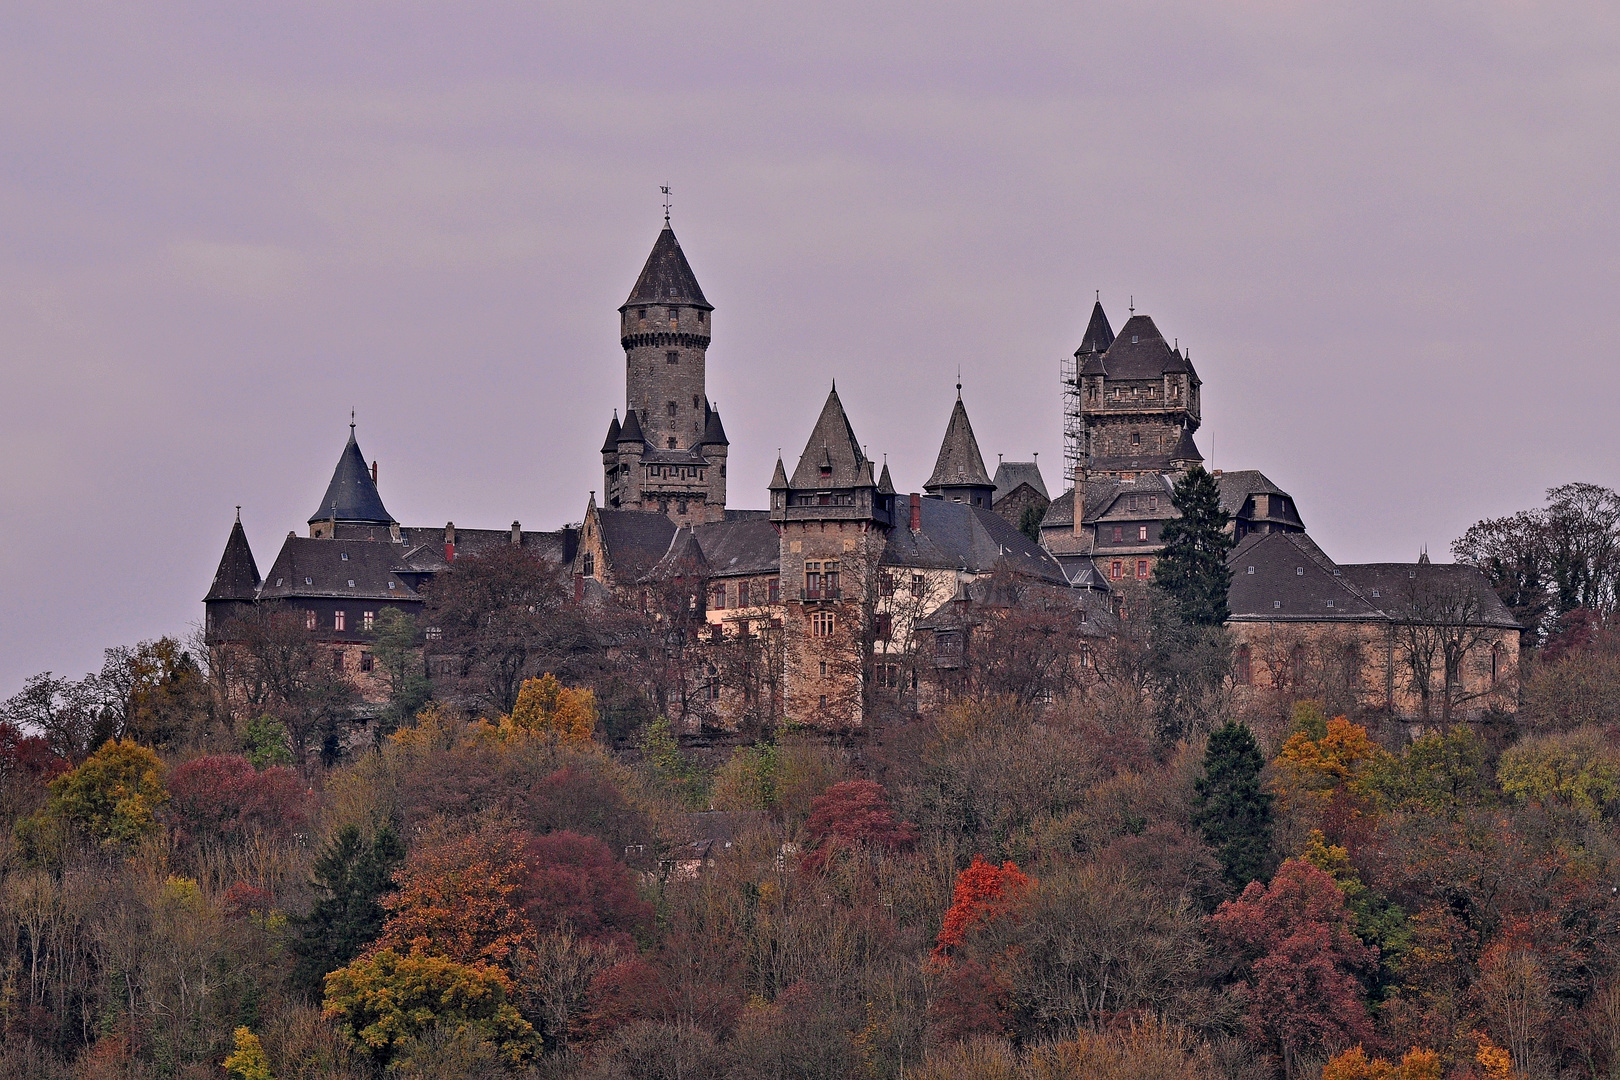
{"x":853,"y":813}
{"x":1297,"y":942}
{"x":984,"y":891}
{"x":574,"y":881}
{"x":222,"y":798}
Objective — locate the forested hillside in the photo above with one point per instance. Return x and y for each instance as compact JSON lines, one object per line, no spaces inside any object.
{"x":1125,"y":878}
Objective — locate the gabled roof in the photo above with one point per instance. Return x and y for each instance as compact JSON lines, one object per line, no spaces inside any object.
{"x":667,"y":278}
{"x":1140,"y":352}
{"x":611,"y":443}
{"x":1099,"y":335}
{"x":238,"y":575}
{"x":684,"y":556}
{"x":1425,"y":589}
{"x":714,"y":433}
{"x":352,"y":494}
{"x":832,"y":447}
{"x":959,"y":463}
{"x":960,"y":536}
{"x":1292,"y":580}
{"x":1009,"y":474}
{"x":735,"y":548}
{"x":634,"y":540}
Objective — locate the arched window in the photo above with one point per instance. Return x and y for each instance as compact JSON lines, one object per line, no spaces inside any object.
{"x":1242,"y":666}
{"x":1496,"y":663}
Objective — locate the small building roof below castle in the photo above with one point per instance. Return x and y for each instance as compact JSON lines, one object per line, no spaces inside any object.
{"x":1009,"y":474}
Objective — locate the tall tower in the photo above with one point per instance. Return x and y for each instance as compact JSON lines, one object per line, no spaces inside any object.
{"x":669,"y":453}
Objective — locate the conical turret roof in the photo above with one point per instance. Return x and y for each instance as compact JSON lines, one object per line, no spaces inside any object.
{"x":238,"y":575}
{"x":631,"y":431}
{"x":779,"y":477}
{"x":611,"y":443}
{"x":667,"y":278}
{"x":1098,"y":334}
{"x":960,"y":464}
{"x":714,"y":432}
{"x":352,"y":496}
{"x":1186,"y":449}
{"x":832,"y":457}
{"x":885,"y":483}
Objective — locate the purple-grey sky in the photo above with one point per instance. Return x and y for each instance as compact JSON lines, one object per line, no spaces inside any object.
{"x":1387,"y":230}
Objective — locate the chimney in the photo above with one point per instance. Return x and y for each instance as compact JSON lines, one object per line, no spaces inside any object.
{"x":517,"y":534}
{"x":1079,"y":501}
{"x":449,"y":541}
{"x":916,"y":512}
{"x":374,"y":472}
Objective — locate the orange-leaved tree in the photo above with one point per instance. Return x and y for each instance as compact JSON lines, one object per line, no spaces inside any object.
{"x":1343,"y":760}
{"x":984,"y":891}
{"x":547,"y":707}
{"x":459,"y":898}
{"x":1354,"y":1064}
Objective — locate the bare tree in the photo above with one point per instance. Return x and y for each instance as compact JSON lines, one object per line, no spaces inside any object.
{"x":1439,"y":618}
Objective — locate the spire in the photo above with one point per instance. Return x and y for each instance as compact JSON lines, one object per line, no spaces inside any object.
{"x":779,"y":477}
{"x":352,"y":495}
{"x":238,"y":575}
{"x":714,"y":433}
{"x":885,"y":484}
{"x":1098,"y":334}
{"x":1186,"y":452}
{"x":667,"y":278}
{"x":960,"y":463}
{"x":832,"y":455}
{"x":611,"y":443}
{"x":631,"y":431}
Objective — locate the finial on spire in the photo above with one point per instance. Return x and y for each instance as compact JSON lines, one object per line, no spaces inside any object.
{"x":351,"y":421}
{"x":665,"y":189}
{"x":1133,"y":303}
{"x":239,"y":515}
{"x":1098,"y":297}
{"x":958,"y":382}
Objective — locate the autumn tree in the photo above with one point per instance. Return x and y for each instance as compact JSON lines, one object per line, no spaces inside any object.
{"x":1230,"y":807}
{"x":854,"y":813}
{"x":398,"y":651}
{"x":983,"y":892}
{"x":381,"y":1002}
{"x":112,"y":798}
{"x":459,"y":897}
{"x":547,"y":706}
{"x":1297,"y":942}
{"x":575,"y":881}
{"x":222,"y":798}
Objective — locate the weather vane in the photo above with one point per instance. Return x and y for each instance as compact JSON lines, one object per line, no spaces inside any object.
{"x":665,"y":190}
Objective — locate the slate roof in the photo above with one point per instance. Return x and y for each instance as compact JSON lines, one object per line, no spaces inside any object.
{"x":1009,"y":474}
{"x":1093,"y":618}
{"x":1237,"y":488}
{"x":635,"y":540}
{"x":631,"y":431}
{"x":611,"y":443}
{"x":960,"y":536}
{"x":714,"y":433}
{"x":667,"y":278}
{"x":1186,"y":449}
{"x":1140,"y":352}
{"x":959,"y":463}
{"x":832,"y":443}
{"x":1099,"y":335}
{"x":737,"y":548}
{"x":1401,"y":586}
{"x":1101,"y":494}
{"x":886,"y":482}
{"x":309,"y":567}
{"x":352,"y":491}
{"x":238,"y":575}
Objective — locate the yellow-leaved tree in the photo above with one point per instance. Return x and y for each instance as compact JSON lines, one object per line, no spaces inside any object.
{"x":1343,"y":760}
{"x":112,"y":798}
{"x":249,"y":1062}
{"x":547,"y":707}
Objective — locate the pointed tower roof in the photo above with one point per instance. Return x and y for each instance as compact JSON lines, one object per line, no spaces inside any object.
{"x":238,"y":575}
{"x":1098,"y":334}
{"x":959,"y":464}
{"x":714,"y":432}
{"x":832,"y":457}
{"x":885,"y":483}
{"x":611,"y":443}
{"x":352,"y":494}
{"x":1186,"y":450}
{"x":667,"y":278}
{"x":1140,"y":352}
{"x":779,"y":477}
{"x":631,"y":431}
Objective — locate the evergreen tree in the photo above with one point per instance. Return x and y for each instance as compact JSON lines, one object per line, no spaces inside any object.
{"x":1029,"y":522}
{"x":1192,"y":567}
{"x":1230,"y":807}
{"x":350,"y":873}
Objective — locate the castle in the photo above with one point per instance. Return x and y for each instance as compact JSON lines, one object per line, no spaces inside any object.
{"x":845,"y":585}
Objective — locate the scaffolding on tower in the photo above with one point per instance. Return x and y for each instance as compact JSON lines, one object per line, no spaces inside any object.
{"x":1074,"y":421}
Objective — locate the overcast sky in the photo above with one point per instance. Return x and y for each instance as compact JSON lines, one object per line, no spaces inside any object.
{"x":1386,"y":230}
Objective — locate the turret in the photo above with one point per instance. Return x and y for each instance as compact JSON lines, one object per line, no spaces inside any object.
{"x":351,"y":498}
{"x":664,"y":328}
{"x":236,"y":581}
{"x":959,"y":473}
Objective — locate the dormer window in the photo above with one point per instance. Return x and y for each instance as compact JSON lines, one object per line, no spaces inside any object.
{"x":1299,"y":571}
{"x":1251,"y":570}
{"x":308,"y":581}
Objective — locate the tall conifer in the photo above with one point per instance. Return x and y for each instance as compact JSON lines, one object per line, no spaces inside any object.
{"x":1192,"y":567}
{"x":1230,"y":807}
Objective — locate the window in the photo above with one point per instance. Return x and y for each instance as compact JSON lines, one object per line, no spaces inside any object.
{"x":1352,"y":666}
{"x":1153,"y":502}
{"x":390,"y":586}
{"x":821,"y":624}
{"x":1117,"y":570}
{"x":672,"y":358}
{"x":824,"y":669}
{"x":823,"y":705}
{"x":672,"y":408}
{"x":309,"y":581}
{"x":1276,"y":603}
{"x":588,"y":564}
{"x":695,"y":402}
{"x":774,"y":591}
{"x":1136,"y":438}
{"x":1496,"y":663}
{"x":916,"y":584}
{"x":433,"y":633}
{"x":351,"y":583}
{"x":278,"y":583}
{"x":1141,"y":568}
{"x":717,"y":598}
{"x":1296,"y":665}
{"x":1251,"y":571}
{"x":309,"y":620}
{"x":344,"y":555}
{"x":1119,"y":534}
{"x":641,"y":313}
{"x":717,"y":634}
{"x":671,"y":446}
{"x":1141,"y":532}
{"x":1330,"y":603}
{"x":885,"y":583}
{"x":368,"y":620}
{"x":674,"y":318}
{"x":337,"y":660}
{"x":742,"y":594}
{"x":339,"y":620}
{"x":366,"y":663}
{"x":812,"y":580}
{"x":1242,"y":669}
{"x":1299,"y":571}
{"x":883,"y":625}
